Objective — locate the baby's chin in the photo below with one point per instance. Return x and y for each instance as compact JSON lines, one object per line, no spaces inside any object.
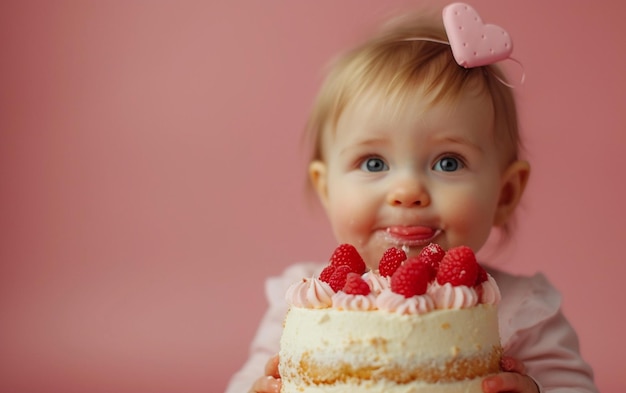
{"x":415,"y":251}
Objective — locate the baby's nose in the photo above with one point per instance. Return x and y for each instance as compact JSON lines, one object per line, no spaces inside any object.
{"x":408,"y":193}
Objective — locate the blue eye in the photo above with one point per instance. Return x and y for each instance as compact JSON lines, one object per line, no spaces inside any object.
{"x":448,"y":164}
{"x":374,"y":164}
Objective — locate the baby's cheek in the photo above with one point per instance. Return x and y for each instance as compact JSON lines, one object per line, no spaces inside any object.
{"x":471,"y":219}
{"x":351,"y":221}
{"x":345,"y":221}
{"x":464,"y":213}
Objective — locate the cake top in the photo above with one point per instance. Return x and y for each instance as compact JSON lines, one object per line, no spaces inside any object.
{"x":435,"y":279}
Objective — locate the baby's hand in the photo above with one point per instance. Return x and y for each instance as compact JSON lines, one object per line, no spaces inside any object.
{"x":512,"y":379}
{"x":270,"y":383}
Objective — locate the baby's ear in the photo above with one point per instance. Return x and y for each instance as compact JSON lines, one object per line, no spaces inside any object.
{"x":514,"y":182}
{"x":317,"y":174}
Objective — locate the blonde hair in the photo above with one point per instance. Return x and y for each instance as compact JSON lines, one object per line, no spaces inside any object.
{"x":399,"y":61}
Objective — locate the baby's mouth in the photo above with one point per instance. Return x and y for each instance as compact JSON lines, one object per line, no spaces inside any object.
{"x":411,"y":236}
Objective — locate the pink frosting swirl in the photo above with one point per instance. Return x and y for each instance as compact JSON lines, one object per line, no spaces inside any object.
{"x":309,"y":293}
{"x":394,"y":302}
{"x":345,"y":301}
{"x":447,"y":296}
{"x":376,"y":282}
{"x":490,"y":293}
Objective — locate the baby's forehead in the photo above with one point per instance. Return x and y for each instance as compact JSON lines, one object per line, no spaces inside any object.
{"x":375,"y":117}
{"x":389,"y":108}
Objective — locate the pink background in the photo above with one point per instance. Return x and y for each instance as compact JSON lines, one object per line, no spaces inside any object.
{"x":151,"y":178}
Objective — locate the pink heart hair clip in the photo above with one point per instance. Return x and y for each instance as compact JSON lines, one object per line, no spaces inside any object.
{"x":474,"y":43}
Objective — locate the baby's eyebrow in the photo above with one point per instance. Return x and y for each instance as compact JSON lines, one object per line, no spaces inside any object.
{"x":366,"y":142}
{"x":460,"y":140}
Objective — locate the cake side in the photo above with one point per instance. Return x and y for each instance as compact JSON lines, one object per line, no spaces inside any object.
{"x":330,"y":346}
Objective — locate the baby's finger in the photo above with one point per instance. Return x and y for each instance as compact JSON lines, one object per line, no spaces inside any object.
{"x":512,"y":365}
{"x":266,"y":384}
{"x":271,"y":367}
{"x":508,"y":382}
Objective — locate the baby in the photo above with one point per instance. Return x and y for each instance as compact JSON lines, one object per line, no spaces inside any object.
{"x":413,"y":144}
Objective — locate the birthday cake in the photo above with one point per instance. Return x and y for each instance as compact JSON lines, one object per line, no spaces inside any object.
{"x":423,"y":324}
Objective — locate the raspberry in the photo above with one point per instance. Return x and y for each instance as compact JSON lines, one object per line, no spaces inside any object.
{"x":411,"y":279}
{"x":391,"y":260}
{"x":337,"y":280}
{"x":458,"y":267}
{"x":432,"y":255}
{"x":482,"y":276}
{"x":326,"y":273}
{"x":355,"y":285}
{"x":346,"y":254}
{"x":432,"y":273}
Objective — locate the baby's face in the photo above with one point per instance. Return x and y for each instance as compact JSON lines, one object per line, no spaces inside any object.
{"x":409,"y":176}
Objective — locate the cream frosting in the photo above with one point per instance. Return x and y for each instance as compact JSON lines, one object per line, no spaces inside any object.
{"x":447,"y":296}
{"x":490,"y":292}
{"x":310,"y":293}
{"x":344,"y":301}
{"x":415,"y":305}
{"x":314,"y":293}
{"x":376,"y":282}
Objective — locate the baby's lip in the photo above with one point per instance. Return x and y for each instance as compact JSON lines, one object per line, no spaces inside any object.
{"x":411,"y":236}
